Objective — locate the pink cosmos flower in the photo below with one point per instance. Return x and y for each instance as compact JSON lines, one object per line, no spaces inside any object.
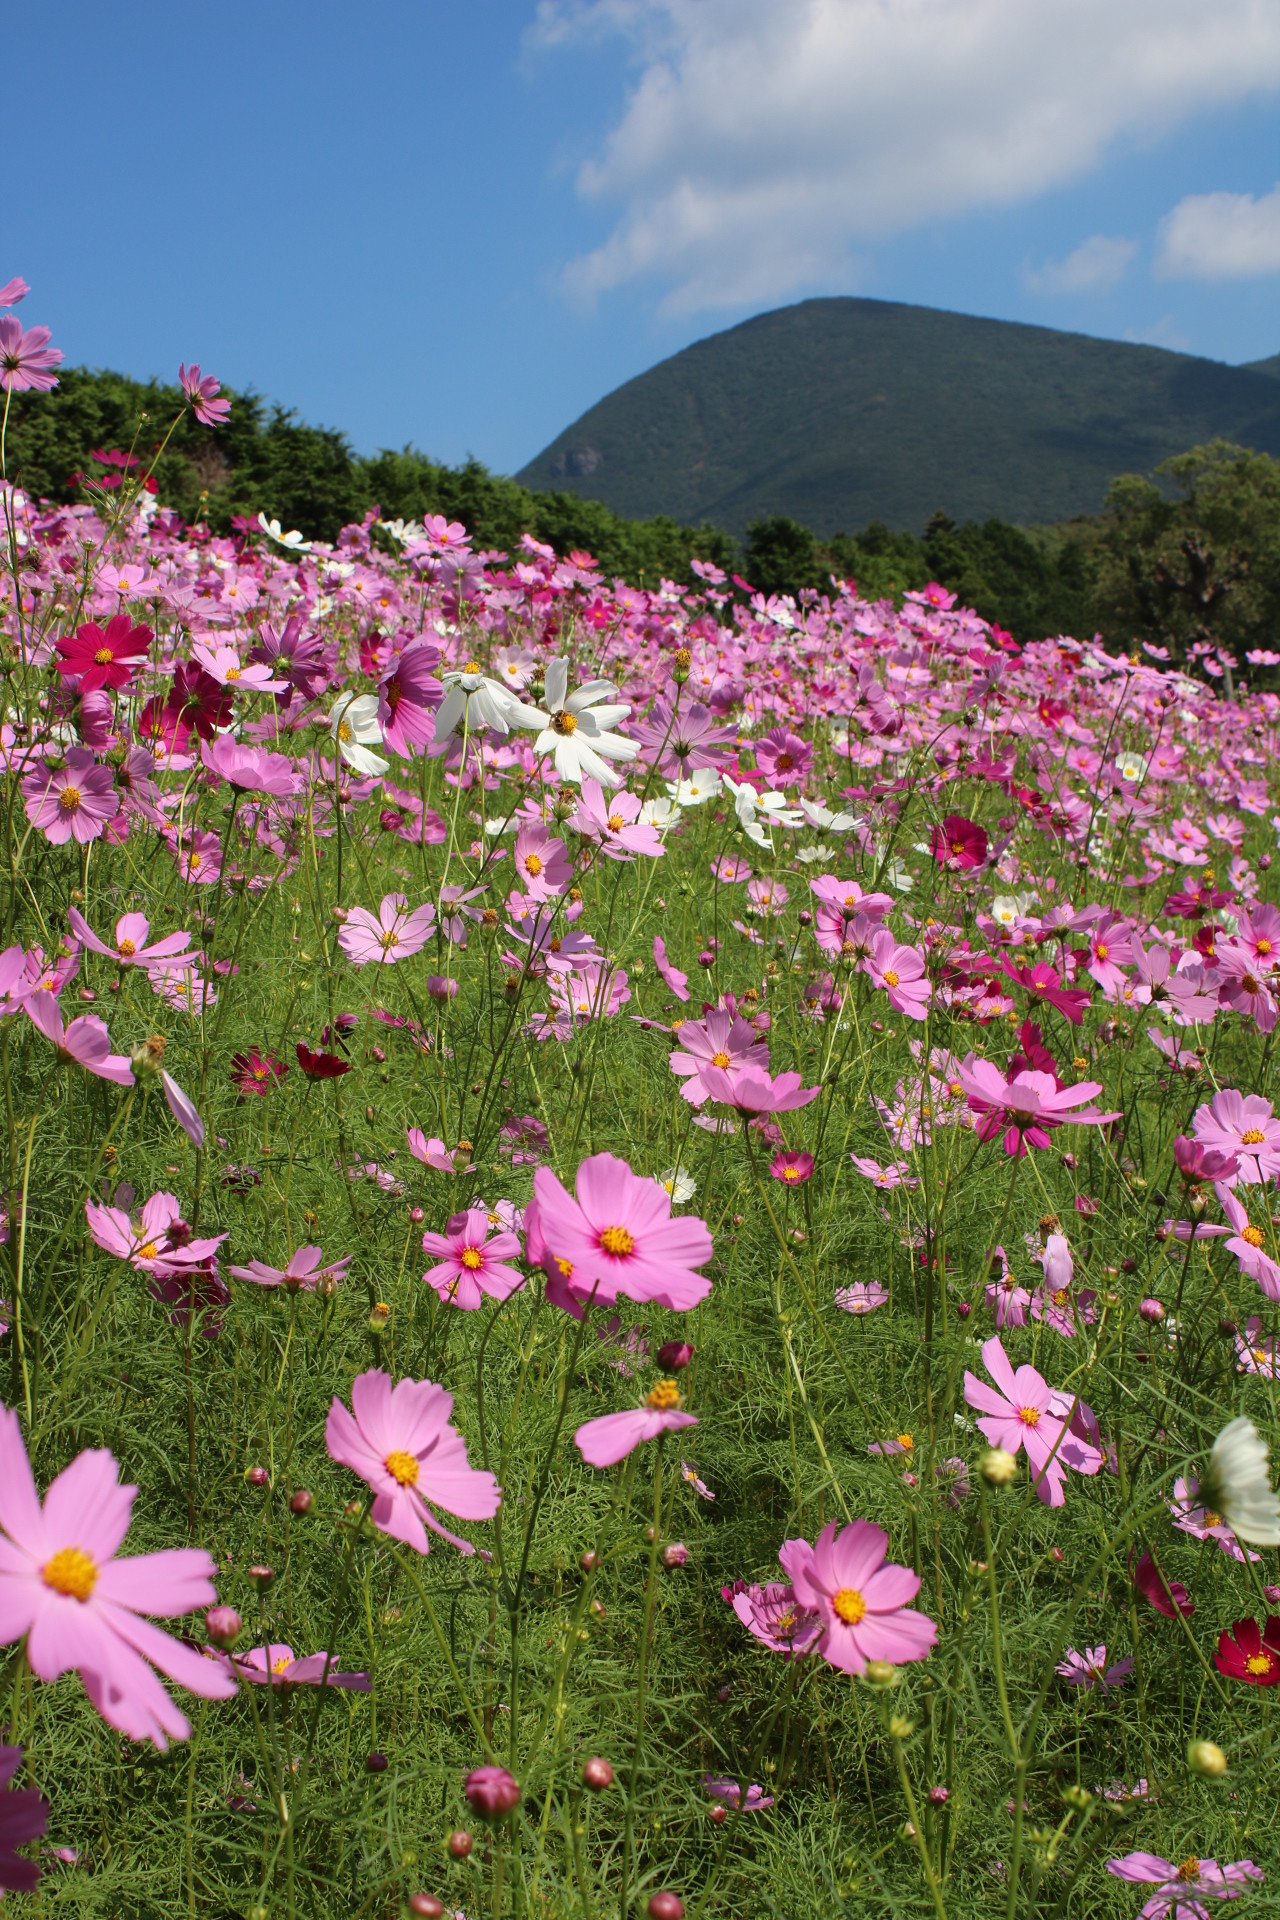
{"x":605,"y":1441}
{"x":846,"y":898}
{"x":783,"y":758}
{"x":409,"y":695}
{"x":131,"y":949}
{"x":275,"y":1664}
{"x":1091,"y":1669}
{"x":860,"y":1601}
{"x":614,"y":824}
{"x":776,"y":1617}
{"x":676,"y":982}
{"x":77,"y":800}
{"x":398,"y":1439}
{"x":250,"y":769}
{"x":1180,"y":1891}
{"x":722,"y":1788}
{"x":85,"y":1042}
{"x":1201,"y":1522}
{"x":1168,"y":1597}
{"x":1243,"y":1125}
{"x":542,"y":863}
{"x":793,"y":1169}
{"x":209,"y":411}
{"x":590,"y":992}
{"x":470,"y":1265}
{"x":720,"y":1039}
{"x":959,"y":843}
{"x":303,"y":1272}
{"x":223,"y":664}
{"x":619,"y":1236}
{"x":900,"y":972}
{"x":26,"y":359}
{"x":752,"y":1091}
{"x":864,"y":1296}
{"x":433,"y":1153}
{"x":23,"y":1814}
{"x":104,"y":656}
{"x":1024,"y":1411}
{"x":1254,"y":1352}
{"x":79,"y":1607}
{"x":11,"y":294}
{"x":183,"y":1110}
{"x":254,"y":1073}
{"x":1026,"y":1108}
{"x":395,"y":935}
{"x":896,"y":1174}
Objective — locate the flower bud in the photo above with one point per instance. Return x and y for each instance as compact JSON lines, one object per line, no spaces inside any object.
{"x":223,"y":1624}
{"x":257,"y":1476}
{"x":262,"y":1578}
{"x":963,"y":1309}
{"x":380,"y":1317}
{"x":881,"y":1674}
{"x":673,"y":1355}
{"x":675,"y":1555}
{"x":900,"y":1728}
{"x":492,"y":1792}
{"x":425,"y":1906}
{"x":375,"y":1763}
{"x":589,"y":1562}
{"x":1077,"y":1797}
{"x":997,"y":1467}
{"x":300,"y":1502}
{"x":665,"y":1905}
{"x":1152,"y":1311}
{"x":417,"y":1216}
{"x":597,"y":1774}
{"x":938,"y":1796}
{"x":1204,"y":1757}
{"x":460,"y":1843}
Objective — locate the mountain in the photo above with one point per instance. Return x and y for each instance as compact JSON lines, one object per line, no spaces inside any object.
{"x":839,"y":412}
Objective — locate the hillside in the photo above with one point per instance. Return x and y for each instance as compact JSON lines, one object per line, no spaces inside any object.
{"x":838,"y":412}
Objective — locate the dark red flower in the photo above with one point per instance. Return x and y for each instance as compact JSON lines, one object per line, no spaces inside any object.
{"x":198,"y":700}
{"x":321,"y":1066}
{"x":1042,"y":983}
{"x":253,"y":1072}
{"x":1252,"y":1656}
{"x":104,"y":656}
{"x":1168,"y":1597}
{"x":492,"y":1792}
{"x":959,"y":843}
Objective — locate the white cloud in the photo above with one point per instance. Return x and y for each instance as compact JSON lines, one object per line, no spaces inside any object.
{"x":1096,"y":264}
{"x":1221,"y":236}
{"x":765,"y":141}
{"x":1164,"y":332}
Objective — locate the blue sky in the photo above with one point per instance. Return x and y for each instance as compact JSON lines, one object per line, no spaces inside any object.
{"x":459,"y":226}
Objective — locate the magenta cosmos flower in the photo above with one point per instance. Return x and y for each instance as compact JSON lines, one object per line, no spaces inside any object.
{"x":470,"y":1265}
{"x":276,"y":1664}
{"x":861,"y":1601}
{"x":86,"y":1042}
{"x":23,"y":1817}
{"x":79,"y":1607}
{"x":303,"y":1272}
{"x":793,"y":1169}
{"x":396,"y":933}
{"x":1026,"y":1108}
{"x":26,"y":359}
{"x":104,"y":656}
{"x":959,"y":843}
{"x":1242,"y":1124}
{"x":605,"y":1441}
{"x":1180,"y":1891}
{"x":76,"y":801}
{"x":1022,"y":1410}
{"x":398,"y":1439}
{"x":619,"y":1236}
{"x":208,"y":410}
{"x":720,"y":1039}
{"x":1091,"y":1670}
{"x":253,"y":1072}
{"x":775,"y":1617}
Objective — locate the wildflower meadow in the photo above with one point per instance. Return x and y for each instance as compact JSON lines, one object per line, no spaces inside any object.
{"x":639,"y":1272}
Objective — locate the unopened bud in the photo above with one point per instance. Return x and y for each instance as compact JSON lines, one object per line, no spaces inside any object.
{"x":673,"y":1355}
{"x":460,"y":1843}
{"x":262,"y":1577}
{"x":675,"y":1555}
{"x":257,"y":1476}
{"x":1203,"y":1756}
{"x":597,"y":1774}
{"x":997,"y":1467}
{"x":300,"y":1502}
{"x":900,"y":1728}
{"x":881,"y":1674}
{"x":425,"y":1906}
{"x":223,"y":1624}
{"x":1152,"y":1311}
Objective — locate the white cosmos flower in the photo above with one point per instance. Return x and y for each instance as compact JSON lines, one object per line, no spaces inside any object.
{"x":1238,"y":1486}
{"x":575,"y":728}
{"x":680,"y":1185}
{"x":1132,"y":766}
{"x":661,"y":814}
{"x":696,"y":788}
{"x":819,"y":816}
{"x":292,"y":540}
{"x":485,"y":702}
{"x":813,"y":855}
{"x":353,"y":725}
{"x":759,"y":811}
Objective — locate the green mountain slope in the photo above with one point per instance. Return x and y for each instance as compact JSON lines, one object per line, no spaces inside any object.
{"x":838,"y":412}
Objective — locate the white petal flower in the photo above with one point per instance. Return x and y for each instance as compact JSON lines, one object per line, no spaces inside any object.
{"x":680,"y":1185}
{"x":696,"y":788}
{"x":1238,"y":1485}
{"x":353,"y":727}
{"x":660,"y":814}
{"x":575,"y":728}
{"x":485,"y":702}
{"x":293,"y":540}
{"x":819,"y":816}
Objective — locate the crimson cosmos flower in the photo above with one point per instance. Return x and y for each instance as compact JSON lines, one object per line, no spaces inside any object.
{"x":252,"y":1073}
{"x":320,"y":1066}
{"x":104,"y":656}
{"x":1252,"y":1655}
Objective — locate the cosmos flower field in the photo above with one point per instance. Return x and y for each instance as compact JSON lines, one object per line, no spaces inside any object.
{"x":639,"y":1272}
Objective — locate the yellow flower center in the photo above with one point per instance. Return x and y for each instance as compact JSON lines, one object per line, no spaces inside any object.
{"x":233,"y":673}
{"x":906,"y":1442}
{"x":403,"y":1467}
{"x":280,"y":1662}
{"x":1102,"y":950}
{"x":473,"y":666}
{"x":70,"y":1572}
{"x":1029,"y":1416}
{"x":791,"y":1173}
{"x":617,"y":1240}
{"x":127,"y":949}
{"x":196,"y":862}
{"x":148,"y":1252}
{"x":785,"y":1621}
{"x":849,"y":1605}
{"x":1263,"y":947}
{"x":891,"y":978}
{"x":1189,"y":1869}
{"x":1253,"y":1235}
{"x":471,"y":1258}
{"x":616,"y":823}
{"x":663,"y":1397}
{"x":720,"y":1060}
{"x":69,"y":800}
{"x":532,"y":864}
{"x":565,"y":1266}
{"x":1251,"y":1137}
{"x":1212,"y":1519}
{"x":564,"y":722}
{"x":1258,"y":1663}
{"x":103,"y":657}
{"x":389,"y":940}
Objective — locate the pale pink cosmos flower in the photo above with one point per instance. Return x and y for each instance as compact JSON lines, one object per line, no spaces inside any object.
{"x":394,"y":935}
{"x":611,"y":1437}
{"x":11,"y":294}
{"x":131,"y":949}
{"x":79,"y":1607}
{"x":676,"y":981}
{"x":1180,"y":1891}
{"x":158,"y":1235}
{"x":1190,"y":1515}
{"x":619,"y":1236}
{"x":1027,"y":1107}
{"x":614,"y":824}
{"x":209,"y":411}
{"x":1091,"y":1670}
{"x":896,"y":1174}
{"x":26,"y":358}
{"x":250,"y":769}
{"x":276,"y":1664}
{"x":433,"y":1152}
{"x":1254,"y":1352}
{"x":900,"y":972}
{"x":751,"y":1090}
{"x":302,"y":1273}
{"x":721,"y":1787}
{"x":864,"y":1296}
{"x":774,"y":1615}
{"x":469,"y":1263}
{"x":542,"y":863}
{"x":1022,"y":1410}
{"x":720,"y":1039}
{"x":1243,"y":1125}
{"x":85,"y":1042}
{"x":223,"y":664}
{"x":860,"y":1599}
{"x":398,"y":1439}
{"x":76,"y":801}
